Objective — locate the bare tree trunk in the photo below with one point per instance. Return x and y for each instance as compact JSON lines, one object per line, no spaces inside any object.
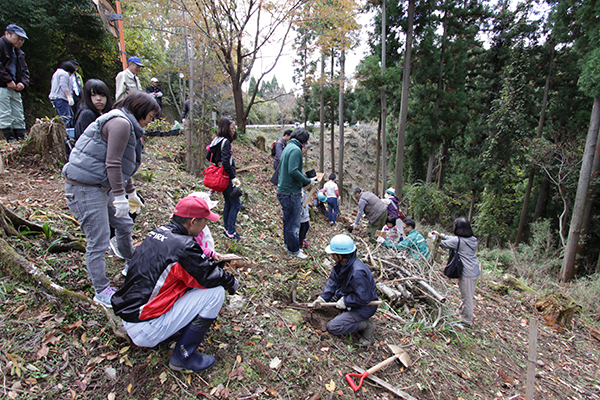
{"x":542,"y":198}
{"x":436,"y":110}
{"x":332,"y":120}
{"x":383,"y":120}
{"x":430,"y":163}
{"x":472,"y":206}
{"x":189,"y":153}
{"x":378,"y":156}
{"x":322,"y":116}
{"x":341,"y":119}
{"x":399,"y":179}
{"x":443,"y":162}
{"x":540,"y":130}
{"x":568,"y":266}
{"x":589,"y":201}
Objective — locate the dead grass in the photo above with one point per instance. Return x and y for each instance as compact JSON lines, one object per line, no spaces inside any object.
{"x":270,"y":347}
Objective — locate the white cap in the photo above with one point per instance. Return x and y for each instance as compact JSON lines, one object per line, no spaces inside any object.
{"x":153,"y":80}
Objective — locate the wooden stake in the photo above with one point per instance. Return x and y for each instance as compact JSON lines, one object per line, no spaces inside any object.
{"x":531,"y":360}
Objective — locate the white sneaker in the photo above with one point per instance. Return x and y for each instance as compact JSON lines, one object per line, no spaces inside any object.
{"x":300,"y":254}
{"x":115,"y":248}
{"x":103,"y":298}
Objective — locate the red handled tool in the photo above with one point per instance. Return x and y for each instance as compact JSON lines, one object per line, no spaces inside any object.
{"x":399,"y":353}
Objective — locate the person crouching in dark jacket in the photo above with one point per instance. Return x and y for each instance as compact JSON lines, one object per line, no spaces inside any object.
{"x":172,"y":286}
{"x":352,"y":286}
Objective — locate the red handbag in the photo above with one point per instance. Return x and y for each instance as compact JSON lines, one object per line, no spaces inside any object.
{"x":215,"y":177}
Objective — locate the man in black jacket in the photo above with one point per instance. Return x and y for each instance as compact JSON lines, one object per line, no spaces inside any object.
{"x":172,"y":286}
{"x":14,"y":77}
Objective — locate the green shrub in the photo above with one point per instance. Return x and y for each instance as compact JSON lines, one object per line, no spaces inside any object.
{"x":428,"y":203}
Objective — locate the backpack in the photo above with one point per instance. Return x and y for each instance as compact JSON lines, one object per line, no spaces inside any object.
{"x":394,"y":210}
{"x":273,"y":148}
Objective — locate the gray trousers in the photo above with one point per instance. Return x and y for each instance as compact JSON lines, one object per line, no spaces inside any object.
{"x":467,"y":291}
{"x":93,"y":208}
{"x":11,"y":109}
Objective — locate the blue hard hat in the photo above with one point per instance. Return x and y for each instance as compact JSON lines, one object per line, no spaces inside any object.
{"x":340,"y":244}
{"x":321,"y":196}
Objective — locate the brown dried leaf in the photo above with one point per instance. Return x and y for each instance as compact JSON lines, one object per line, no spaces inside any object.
{"x":237,"y":374}
{"x":42,"y":352}
{"x":72,"y":327}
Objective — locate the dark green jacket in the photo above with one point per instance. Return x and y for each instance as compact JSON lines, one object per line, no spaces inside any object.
{"x":291,"y":178}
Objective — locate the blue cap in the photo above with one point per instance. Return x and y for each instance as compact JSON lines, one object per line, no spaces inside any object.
{"x":135,"y":60}
{"x":16,"y":29}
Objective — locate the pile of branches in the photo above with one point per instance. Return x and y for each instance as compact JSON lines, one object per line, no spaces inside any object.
{"x":404,"y":280}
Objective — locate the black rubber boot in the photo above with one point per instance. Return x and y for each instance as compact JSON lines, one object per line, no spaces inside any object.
{"x":367,"y":329}
{"x":185,"y":356}
{"x":9,"y":135}
{"x":20,"y":133}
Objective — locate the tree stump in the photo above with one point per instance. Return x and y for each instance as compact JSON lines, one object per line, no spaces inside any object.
{"x":45,"y":144}
{"x":259,"y":143}
{"x":558,"y":309}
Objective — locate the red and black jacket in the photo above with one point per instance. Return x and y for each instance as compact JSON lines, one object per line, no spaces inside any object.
{"x":163,"y":268}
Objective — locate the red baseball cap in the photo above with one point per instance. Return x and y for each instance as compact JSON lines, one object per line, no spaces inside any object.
{"x":194,"y":207}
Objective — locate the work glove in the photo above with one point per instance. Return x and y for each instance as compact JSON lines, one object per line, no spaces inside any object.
{"x":340,"y":304}
{"x":236,"y":182}
{"x":380,"y":239}
{"x":70,"y":101}
{"x":318,"y":303}
{"x":234,"y":287}
{"x":314,"y":181}
{"x":122,"y":206}
{"x":350,"y":228}
{"x":135,"y":203}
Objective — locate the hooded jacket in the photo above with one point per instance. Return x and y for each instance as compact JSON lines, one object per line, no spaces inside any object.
{"x":6,"y":58}
{"x":354,"y":282}
{"x":220,"y":152}
{"x":163,"y":268}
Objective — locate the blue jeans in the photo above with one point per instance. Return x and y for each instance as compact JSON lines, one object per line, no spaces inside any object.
{"x":230,"y":210}
{"x":291,"y":205}
{"x":334,"y":209}
{"x":65,"y":111}
{"x":93,"y":208}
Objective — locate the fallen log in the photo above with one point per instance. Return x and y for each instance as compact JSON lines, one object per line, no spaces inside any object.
{"x":16,"y":266}
{"x":390,"y":293}
{"x":421,"y":282}
{"x":65,"y":241}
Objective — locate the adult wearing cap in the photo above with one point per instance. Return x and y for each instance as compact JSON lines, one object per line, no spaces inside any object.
{"x":14,"y":77}
{"x":352,"y":286}
{"x":155,"y":91}
{"x":127,"y":81}
{"x":171,"y":285}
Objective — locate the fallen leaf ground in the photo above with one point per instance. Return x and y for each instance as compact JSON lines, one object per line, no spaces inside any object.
{"x":266,"y":345}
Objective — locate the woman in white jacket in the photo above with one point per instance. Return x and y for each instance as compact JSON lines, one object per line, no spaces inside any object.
{"x":470,"y":275}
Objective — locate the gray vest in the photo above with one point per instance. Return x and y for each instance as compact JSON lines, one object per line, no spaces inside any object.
{"x":375,"y":206}
{"x":87,"y":162}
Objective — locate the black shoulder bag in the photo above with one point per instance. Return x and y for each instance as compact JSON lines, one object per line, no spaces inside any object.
{"x":454,"y":268}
